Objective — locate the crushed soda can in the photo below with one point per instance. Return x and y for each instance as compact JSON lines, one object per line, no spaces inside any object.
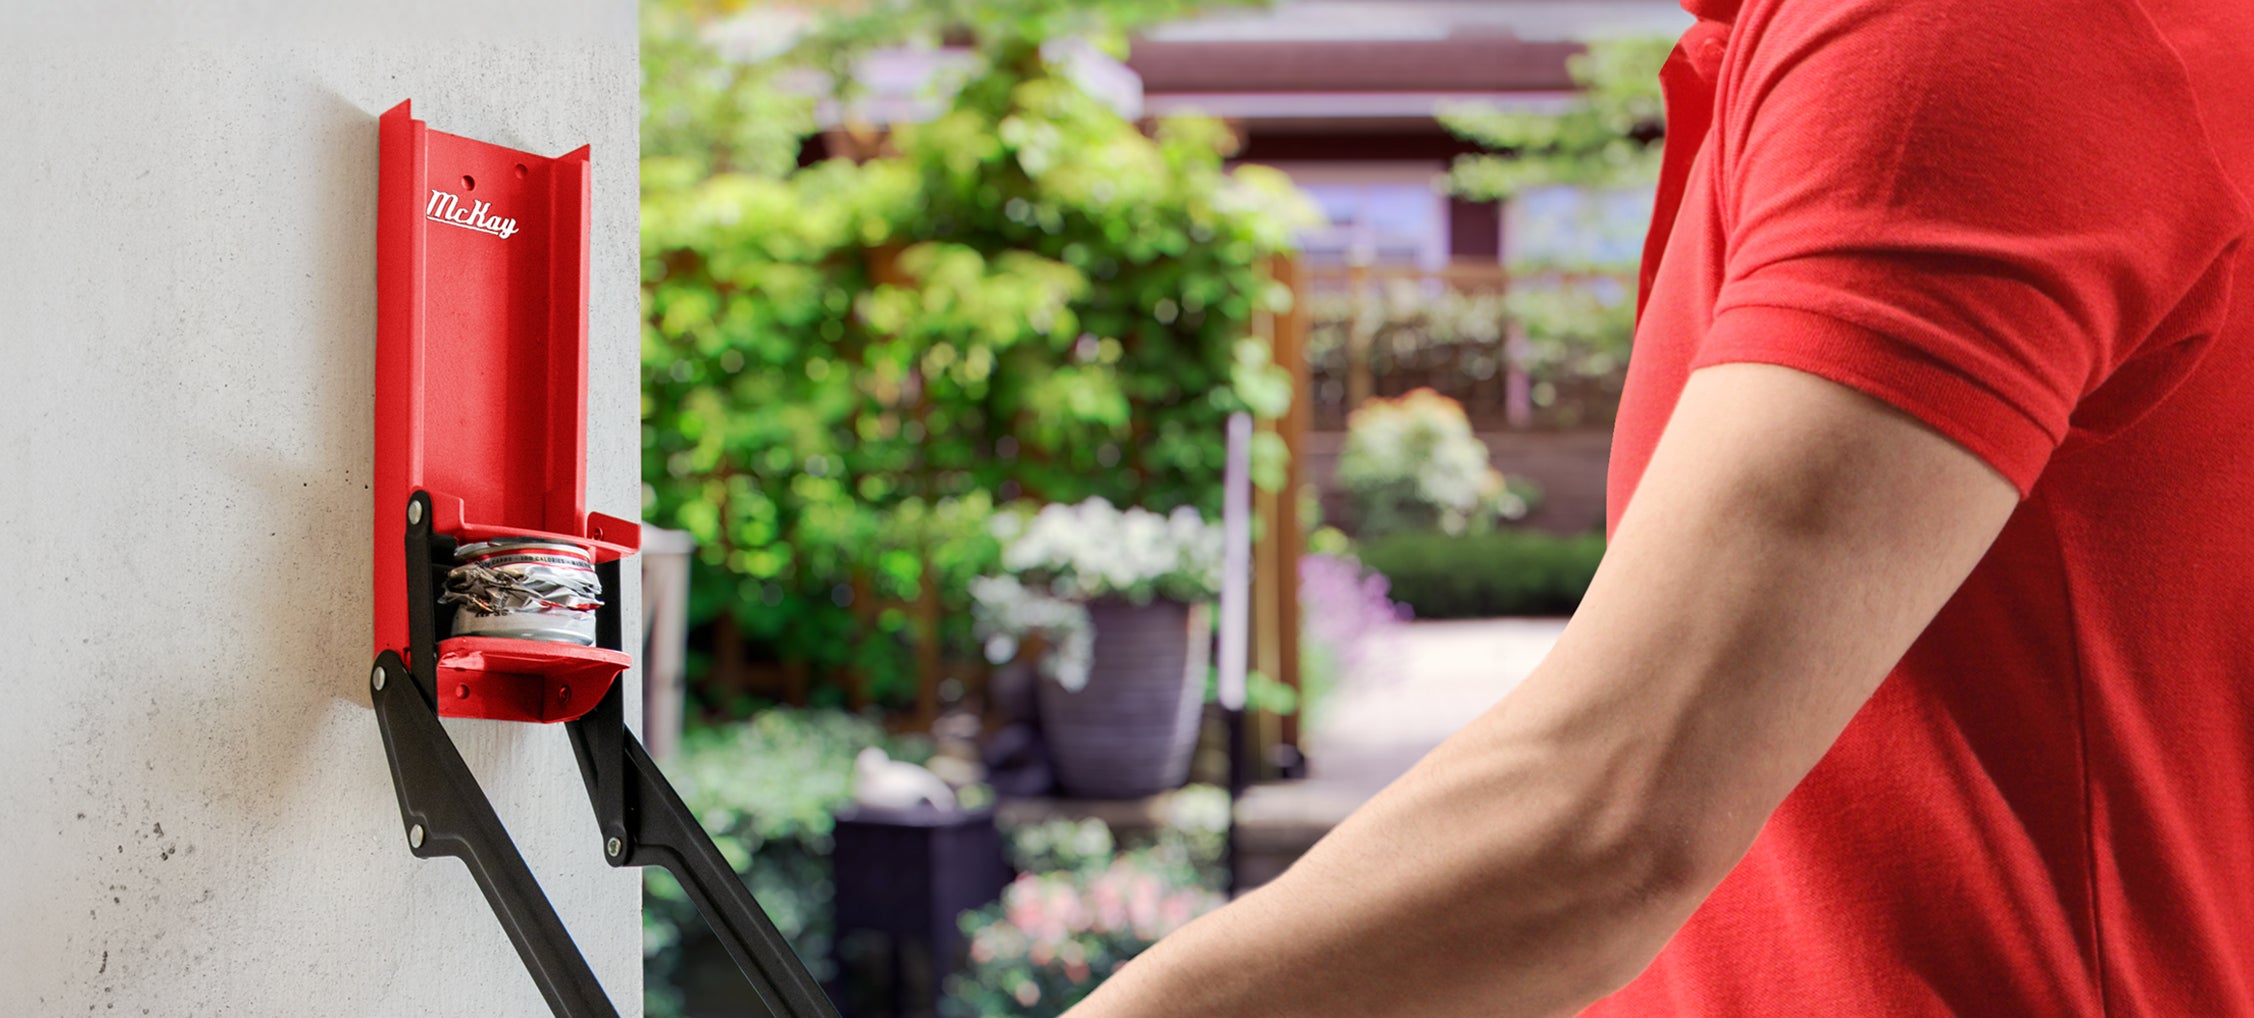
{"x":524,"y":589}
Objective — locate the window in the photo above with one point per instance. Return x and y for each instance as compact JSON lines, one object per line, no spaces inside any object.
{"x":1379,"y":213}
{"x":1578,"y":226}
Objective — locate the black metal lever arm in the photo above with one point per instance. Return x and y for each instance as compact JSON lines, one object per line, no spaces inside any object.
{"x":645,"y":822}
{"x":447,"y":814}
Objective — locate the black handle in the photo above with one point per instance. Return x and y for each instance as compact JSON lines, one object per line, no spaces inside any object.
{"x":672,"y":835}
{"x":645,"y":821}
{"x":447,"y":814}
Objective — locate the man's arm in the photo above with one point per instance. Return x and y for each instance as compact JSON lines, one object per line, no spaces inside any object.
{"x":1789,"y":540}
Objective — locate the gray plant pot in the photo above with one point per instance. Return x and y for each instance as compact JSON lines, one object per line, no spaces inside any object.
{"x":1131,"y":730}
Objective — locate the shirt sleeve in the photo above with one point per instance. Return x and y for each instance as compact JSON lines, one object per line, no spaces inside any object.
{"x":1975,"y":210}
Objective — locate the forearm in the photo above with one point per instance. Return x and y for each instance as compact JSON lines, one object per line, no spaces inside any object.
{"x":1530,"y":864}
{"x":1477,"y":884}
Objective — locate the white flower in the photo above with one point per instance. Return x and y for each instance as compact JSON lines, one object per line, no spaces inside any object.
{"x":1066,"y":555}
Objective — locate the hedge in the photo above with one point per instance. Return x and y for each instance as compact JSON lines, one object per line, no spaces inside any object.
{"x":1504,"y":572}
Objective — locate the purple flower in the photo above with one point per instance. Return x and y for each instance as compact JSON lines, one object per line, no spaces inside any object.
{"x":1345,"y":608}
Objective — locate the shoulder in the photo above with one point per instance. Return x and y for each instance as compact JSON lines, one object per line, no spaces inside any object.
{"x":2056,"y":19}
{"x":1926,"y":38}
{"x":2045,"y":74}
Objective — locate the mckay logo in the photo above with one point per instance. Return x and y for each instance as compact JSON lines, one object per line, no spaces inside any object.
{"x":448,"y":208}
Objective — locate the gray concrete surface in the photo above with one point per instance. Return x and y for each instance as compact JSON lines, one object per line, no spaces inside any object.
{"x":196,"y":810}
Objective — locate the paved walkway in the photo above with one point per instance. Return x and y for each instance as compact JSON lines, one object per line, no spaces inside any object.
{"x":1431,"y":680}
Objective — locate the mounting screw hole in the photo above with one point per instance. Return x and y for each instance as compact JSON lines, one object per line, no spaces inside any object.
{"x":521,"y":171}
{"x":469,"y":183}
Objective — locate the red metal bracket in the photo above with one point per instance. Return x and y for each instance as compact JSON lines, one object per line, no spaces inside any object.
{"x":481,"y":394}
{"x":481,"y":432}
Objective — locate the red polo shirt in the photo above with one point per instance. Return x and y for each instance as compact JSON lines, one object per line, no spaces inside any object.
{"x":2017,"y":220}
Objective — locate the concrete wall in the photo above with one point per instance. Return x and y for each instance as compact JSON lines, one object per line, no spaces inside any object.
{"x":195,"y":813}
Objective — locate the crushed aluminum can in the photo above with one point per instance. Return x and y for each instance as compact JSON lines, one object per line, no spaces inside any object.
{"x":524,"y":589}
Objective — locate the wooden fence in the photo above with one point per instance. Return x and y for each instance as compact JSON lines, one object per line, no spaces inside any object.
{"x":1472,"y":331}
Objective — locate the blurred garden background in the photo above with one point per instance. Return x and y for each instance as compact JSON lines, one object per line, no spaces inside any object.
{"x":1105,"y":442}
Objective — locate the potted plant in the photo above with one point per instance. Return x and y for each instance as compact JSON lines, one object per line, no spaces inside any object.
{"x":1117,"y":600}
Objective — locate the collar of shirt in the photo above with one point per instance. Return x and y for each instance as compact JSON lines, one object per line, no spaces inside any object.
{"x":1687,"y":79}
{"x":1724,"y":11}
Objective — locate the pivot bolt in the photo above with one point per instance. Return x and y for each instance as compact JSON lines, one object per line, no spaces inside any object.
{"x":614,"y":847}
{"x":415,"y":836}
{"x":375,"y":678}
{"x":414,"y":512}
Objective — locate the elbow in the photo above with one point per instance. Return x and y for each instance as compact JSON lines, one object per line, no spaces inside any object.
{"x":1665,"y":868}
{"x":1633,"y":888}
{"x":1628,"y":842}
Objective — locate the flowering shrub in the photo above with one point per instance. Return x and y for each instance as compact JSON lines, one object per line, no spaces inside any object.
{"x":1067,"y":555}
{"x":1347,"y":616}
{"x":1412,"y":463}
{"x":1083,"y":909}
{"x":1091,"y":550}
{"x":1055,"y":937}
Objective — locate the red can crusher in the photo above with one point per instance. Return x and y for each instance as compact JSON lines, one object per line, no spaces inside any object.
{"x":481,"y":434}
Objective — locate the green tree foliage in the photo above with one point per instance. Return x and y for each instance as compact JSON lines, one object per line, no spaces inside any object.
{"x":1608,"y":137}
{"x":847,"y":365}
{"x":1577,"y":315}
{"x":851,"y":28}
